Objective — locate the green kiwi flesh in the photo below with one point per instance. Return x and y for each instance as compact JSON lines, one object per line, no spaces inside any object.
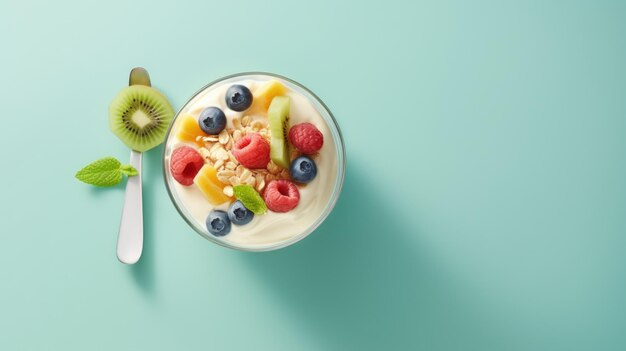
{"x":278,"y":116}
{"x":139,"y":116}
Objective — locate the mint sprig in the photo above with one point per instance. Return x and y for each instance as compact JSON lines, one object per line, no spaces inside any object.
{"x":250,"y":198}
{"x":106,"y":171}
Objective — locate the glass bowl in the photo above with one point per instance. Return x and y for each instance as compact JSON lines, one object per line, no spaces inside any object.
{"x":339,"y":153}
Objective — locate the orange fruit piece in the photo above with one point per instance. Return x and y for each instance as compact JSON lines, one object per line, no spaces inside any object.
{"x":211,"y":187}
{"x":189,"y":130}
{"x":263,"y":95}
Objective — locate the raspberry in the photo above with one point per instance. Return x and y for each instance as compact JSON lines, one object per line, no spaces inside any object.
{"x":306,"y":138}
{"x":185,"y":163}
{"x":252,"y":151}
{"x":281,"y":195}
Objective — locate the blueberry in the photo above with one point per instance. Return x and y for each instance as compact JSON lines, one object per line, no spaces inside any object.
{"x":218,"y":223}
{"x":212,"y":120}
{"x":238,"y":98}
{"x":239,"y":214}
{"x":303,"y":169}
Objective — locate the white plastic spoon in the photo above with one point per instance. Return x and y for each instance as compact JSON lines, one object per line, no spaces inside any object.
{"x":130,"y":239}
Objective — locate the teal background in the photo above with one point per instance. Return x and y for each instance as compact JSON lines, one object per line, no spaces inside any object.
{"x":484,"y":204}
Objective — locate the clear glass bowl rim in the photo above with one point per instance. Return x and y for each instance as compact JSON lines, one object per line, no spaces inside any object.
{"x":341,"y":167}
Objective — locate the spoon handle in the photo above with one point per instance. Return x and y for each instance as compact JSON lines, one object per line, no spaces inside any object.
{"x":130,"y":239}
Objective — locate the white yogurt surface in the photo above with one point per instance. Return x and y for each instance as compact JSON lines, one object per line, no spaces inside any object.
{"x":271,"y":228}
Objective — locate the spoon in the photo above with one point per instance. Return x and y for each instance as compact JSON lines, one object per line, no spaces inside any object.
{"x":130,"y":239}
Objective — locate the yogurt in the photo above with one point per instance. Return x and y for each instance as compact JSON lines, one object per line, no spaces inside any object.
{"x":270,"y":230}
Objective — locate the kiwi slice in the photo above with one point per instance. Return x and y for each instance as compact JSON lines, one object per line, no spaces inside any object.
{"x":278,"y":116}
{"x":140,"y":115}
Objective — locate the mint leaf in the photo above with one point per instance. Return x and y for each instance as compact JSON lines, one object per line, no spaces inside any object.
{"x":250,"y":198}
{"x":104,"y":172}
{"x":129,"y":170}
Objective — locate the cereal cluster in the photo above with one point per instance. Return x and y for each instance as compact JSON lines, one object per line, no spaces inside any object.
{"x":217,"y":153}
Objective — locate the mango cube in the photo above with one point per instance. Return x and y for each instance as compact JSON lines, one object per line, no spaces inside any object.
{"x":263,"y":95}
{"x":206,"y":180}
{"x":189,"y":130}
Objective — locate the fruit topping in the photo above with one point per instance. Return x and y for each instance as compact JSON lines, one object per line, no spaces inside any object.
{"x":278,"y":116}
{"x":189,"y":130}
{"x":217,"y":223}
{"x":140,"y":115}
{"x":210,"y":186}
{"x":303,"y":169}
{"x":252,"y":151}
{"x":250,"y":199}
{"x":281,"y":195}
{"x":238,"y":98}
{"x":306,"y":138}
{"x":239,"y":214}
{"x":212,"y":120}
{"x":185,"y":163}
{"x":264,"y":94}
